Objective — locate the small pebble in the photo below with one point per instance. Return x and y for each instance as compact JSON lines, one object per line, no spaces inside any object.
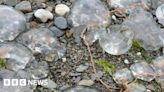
{"x":11,"y":2}
{"x":126,"y":61}
{"x":24,"y":6}
{"x":86,"y":82}
{"x":82,"y":68}
{"x":139,"y":53}
{"x":50,"y":84}
{"x":61,"y":22}
{"x":43,"y":15}
{"x":61,"y":9}
{"x":41,"y":1}
{"x":57,"y":32}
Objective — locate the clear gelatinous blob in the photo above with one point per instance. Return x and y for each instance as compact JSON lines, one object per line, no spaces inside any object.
{"x":123,"y":76}
{"x":117,"y":40}
{"x":7,"y":74}
{"x":43,"y":41}
{"x":135,"y":87}
{"x":143,"y":71}
{"x":160,"y":14}
{"x":15,"y":55}
{"x":12,"y":23}
{"x":89,"y":12}
{"x":158,"y":65}
{"x":81,"y":89}
{"x":145,"y":29}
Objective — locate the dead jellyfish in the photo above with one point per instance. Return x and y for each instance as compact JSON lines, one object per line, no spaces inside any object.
{"x":89,"y":12}
{"x":15,"y":55}
{"x":12,"y":23}
{"x":42,"y":41}
{"x":117,"y":40}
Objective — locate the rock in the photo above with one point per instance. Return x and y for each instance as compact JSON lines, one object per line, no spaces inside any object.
{"x":126,"y":61}
{"x":86,"y":82}
{"x":16,"y":56}
{"x":96,"y":14}
{"x":24,"y":6}
{"x":57,"y":32}
{"x":49,"y":8}
{"x":134,"y":87}
{"x":11,"y":2}
{"x":81,"y":89}
{"x":29,"y":16}
{"x":117,"y":41}
{"x":62,"y":9}
{"x":47,"y":44}
{"x":38,"y":5}
{"x":82,"y":68}
{"x":12,"y":23}
{"x":143,"y":71}
{"x":41,"y":1}
{"x":160,"y":14}
{"x":123,"y":76}
{"x":61,"y":22}
{"x":43,"y":15}
{"x":50,"y":84}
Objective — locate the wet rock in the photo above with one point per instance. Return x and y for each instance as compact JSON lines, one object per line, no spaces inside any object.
{"x":62,"y":9}
{"x":61,"y":22}
{"x":160,"y":14}
{"x":117,"y":40}
{"x":123,"y":76}
{"x":86,"y":82}
{"x":43,"y":15}
{"x":81,"y":89}
{"x":158,"y":65}
{"x":148,"y":38}
{"x":96,"y":14}
{"x":47,"y":44}
{"x":16,"y":55}
{"x":82,"y":68}
{"x":57,"y":32}
{"x":24,"y":6}
{"x":134,"y":87}
{"x":143,"y":71}
{"x":11,"y":2}
{"x":50,"y":84}
{"x":12,"y":23}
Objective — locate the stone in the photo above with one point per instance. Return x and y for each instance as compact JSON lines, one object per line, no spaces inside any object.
{"x":143,"y":71}
{"x":134,"y":87}
{"x":81,"y":89}
{"x":16,"y":56}
{"x":49,"y":8}
{"x":57,"y":32}
{"x":62,"y":9}
{"x":86,"y":82}
{"x":50,"y":84}
{"x":12,"y":23}
{"x":11,"y":2}
{"x":123,"y":76}
{"x":96,"y":14}
{"x":82,"y":68}
{"x":61,"y":22}
{"x":47,"y":44}
{"x":117,"y":40}
{"x":43,"y":15}
{"x":29,"y":16}
{"x":160,"y":14}
{"x":126,"y":61}
{"x":40,"y":1}
{"x":24,"y":6}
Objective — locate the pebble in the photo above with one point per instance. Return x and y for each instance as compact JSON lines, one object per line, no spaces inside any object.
{"x":11,"y":2}
{"x":82,"y":68}
{"x":41,"y":1}
{"x":49,"y":8}
{"x":139,"y":53}
{"x":86,"y":82}
{"x":43,"y":15}
{"x":81,"y":89}
{"x":29,"y":16}
{"x":24,"y":6}
{"x":61,"y":22}
{"x":62,"y":9}
{"x":57,"y":32}
{"x":51,"y":84}
{"x":126,"y":61}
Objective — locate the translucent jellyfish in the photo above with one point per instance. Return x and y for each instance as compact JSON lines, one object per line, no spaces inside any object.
{"x":145,"y":29}
{"x":81,"y":89}
{"x":42,"y":41}
{"x":89,"y":12}
{"x":160,"y":14}
{"x":15,"y":55}
{"x":143,"y":71}
{"x":123,"y":76}
{"x":158,"y":65}
{"x":12,"y":23}
{"x":117,"y":40}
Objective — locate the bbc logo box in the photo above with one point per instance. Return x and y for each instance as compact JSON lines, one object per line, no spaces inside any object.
{"x":14,"y":82}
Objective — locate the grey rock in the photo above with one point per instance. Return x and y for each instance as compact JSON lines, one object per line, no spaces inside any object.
{"x":61,"y":22}
{"x":134,"y":87}
{"x":29,"y":16}
{"x":143,"y":71}
{"x":82,"y":68}
{"x":50,"y":84}
{"x":122,"y":76}
{"x":57,"y":32}
{"x":12,"y":23}
{"x":24,"y":6}
{"x":160,"y":14}
{"x":81,"y":89}
{"x":11,"y":2}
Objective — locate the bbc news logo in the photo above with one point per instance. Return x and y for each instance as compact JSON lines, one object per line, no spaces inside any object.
{"x":23,"y":82}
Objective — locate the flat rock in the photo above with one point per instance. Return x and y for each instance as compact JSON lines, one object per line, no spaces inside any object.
{"x":86,"y":82}
{"x":61,"y":22}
